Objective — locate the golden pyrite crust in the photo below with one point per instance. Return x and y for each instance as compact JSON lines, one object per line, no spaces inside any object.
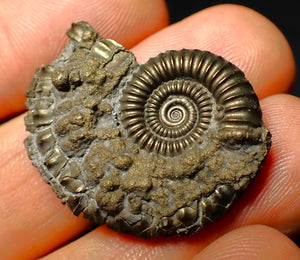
{"x":161,"y":148}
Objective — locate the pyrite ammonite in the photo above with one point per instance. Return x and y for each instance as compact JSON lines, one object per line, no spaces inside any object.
{"x":161,"y":148}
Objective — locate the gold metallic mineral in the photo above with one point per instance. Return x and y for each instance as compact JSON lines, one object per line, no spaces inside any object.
{"x":156,"y":149}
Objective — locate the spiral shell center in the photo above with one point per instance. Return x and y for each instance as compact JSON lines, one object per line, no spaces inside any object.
{"x":175,"y":110}
{"x":170,"y":118}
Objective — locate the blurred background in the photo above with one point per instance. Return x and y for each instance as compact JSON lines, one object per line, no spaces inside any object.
{"x":285,"y":14}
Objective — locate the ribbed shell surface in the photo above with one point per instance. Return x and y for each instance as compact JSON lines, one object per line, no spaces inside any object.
{"x":210,"y":89}
{"x":156,"y":149}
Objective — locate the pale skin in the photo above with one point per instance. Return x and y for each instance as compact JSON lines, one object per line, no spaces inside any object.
{"x":33,"y":223}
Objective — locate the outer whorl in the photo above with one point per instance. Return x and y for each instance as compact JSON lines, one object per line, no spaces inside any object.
{"x":174,"y":97}
{"x":158,"y":149}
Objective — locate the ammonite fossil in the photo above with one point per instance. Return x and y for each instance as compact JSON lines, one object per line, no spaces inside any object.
{"x":158,"y":149}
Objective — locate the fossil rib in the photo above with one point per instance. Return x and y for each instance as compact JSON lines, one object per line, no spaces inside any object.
{"x":174,"y":98}
{"x":158,"y":149}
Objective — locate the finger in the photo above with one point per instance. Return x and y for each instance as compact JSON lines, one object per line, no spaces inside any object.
{"x":106,"y":244}
{"x":33,"y":33}
{"x":251,"y":242}
{"x":240,"y":35}
{"x":32,"y":220}
{"x":274,"y":197}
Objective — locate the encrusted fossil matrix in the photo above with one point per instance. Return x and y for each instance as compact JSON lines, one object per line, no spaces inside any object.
{"x":158,"y":149}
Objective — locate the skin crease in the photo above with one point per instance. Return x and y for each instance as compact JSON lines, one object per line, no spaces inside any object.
{"x":250,"y":242}
{"x":34,"y":223}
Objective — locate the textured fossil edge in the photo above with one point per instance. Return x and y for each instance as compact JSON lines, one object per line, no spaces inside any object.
{"x":187,"y":220}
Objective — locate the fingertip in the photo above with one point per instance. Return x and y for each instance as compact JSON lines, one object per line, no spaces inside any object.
{"x":251,"y":242}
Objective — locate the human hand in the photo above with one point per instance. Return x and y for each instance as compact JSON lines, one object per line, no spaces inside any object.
{"x":32,"y":220}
